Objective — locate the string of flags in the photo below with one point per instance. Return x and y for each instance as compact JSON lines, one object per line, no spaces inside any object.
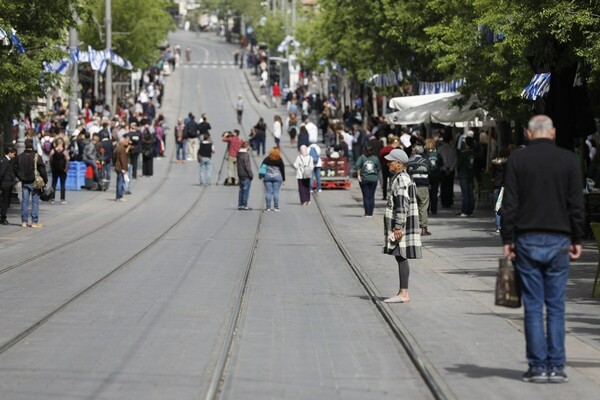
{"x":440,"y":87}
{"x":10,"y":37}
{"x":539,"y":86}
{"x":97,"y":58}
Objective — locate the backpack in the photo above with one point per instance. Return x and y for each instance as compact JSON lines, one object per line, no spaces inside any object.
{"x":47,"y":146}
{"x":314,"y":155}
{"x":368,"y":167}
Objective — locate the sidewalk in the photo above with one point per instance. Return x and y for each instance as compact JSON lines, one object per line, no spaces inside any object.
{"x":452,"y":314}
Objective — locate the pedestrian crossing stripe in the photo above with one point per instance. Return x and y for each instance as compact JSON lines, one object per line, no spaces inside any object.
{"x":230,"y":66}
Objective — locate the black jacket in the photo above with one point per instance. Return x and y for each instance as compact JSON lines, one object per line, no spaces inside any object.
{"x":542,"y":193}
{"x":277,"y":164}
{"x":244,"y":165}
{"x":7,"y":173}
{"x":26,"y":168}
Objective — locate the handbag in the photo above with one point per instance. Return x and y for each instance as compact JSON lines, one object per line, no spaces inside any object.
{"x":508,"y":293}
{"x":38,"y":181}
{"x":262,"y":171}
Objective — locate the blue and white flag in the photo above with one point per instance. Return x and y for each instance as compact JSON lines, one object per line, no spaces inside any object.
{"x":440,"y":87}
{"x":4,"y":38}
{"x":538,"y":87}
{"x":16,"y":42}
{"x":59,"y":67}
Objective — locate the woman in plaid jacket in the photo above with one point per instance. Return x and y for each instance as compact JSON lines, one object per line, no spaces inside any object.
{"x":401,"y":221}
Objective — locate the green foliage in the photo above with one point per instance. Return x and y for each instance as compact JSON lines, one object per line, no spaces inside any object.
{"x":139,"y":27}
{"x":446,"y":39}
{"x":272,"y":32}
{"x":42,"y":27}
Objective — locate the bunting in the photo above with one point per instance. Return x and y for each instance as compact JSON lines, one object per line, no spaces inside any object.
{"x":440,"y":87}
{"x":10,"y":37}
{"x":97,"y":58}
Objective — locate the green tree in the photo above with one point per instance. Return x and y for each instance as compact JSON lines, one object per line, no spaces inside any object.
{"x":41,"y":25}
{"x":272,"y":32}
{"x":140,"y":26}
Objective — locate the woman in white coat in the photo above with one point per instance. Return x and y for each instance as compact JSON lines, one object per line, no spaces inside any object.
{"x":304,"y":168}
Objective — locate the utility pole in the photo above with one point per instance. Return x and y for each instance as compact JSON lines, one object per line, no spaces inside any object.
{"x":73,"y":106}
{"x":108,"y":80}
{"x":293,"y":17}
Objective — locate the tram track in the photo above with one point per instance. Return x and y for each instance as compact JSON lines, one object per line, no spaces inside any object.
{"x":106,"y":224}
{"x":427,"y":371}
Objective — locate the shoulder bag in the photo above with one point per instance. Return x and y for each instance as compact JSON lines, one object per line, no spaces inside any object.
{"x":38,"y":182}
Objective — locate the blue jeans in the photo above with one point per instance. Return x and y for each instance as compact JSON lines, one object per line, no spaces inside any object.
{"x":498,"y":218}
{"x":29,"y":191}
{"x":368,"y":191}
{"x":272,"y":186}
{"x":106,"y":170}
{"x":205,"y":170}
{"x":543,"y":265}
{"x":468,"y":198}
{"x":317,"y":176}
{"x":180,"y":150}
{"x":244,"y":192}
{"x":120,"y":185}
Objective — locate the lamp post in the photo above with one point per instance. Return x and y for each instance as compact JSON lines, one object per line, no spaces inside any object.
{"x":73,"y":106}
{"x":108,"y":80}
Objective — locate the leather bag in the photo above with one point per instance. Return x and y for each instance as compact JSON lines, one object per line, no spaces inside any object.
{"x":508,"y":293}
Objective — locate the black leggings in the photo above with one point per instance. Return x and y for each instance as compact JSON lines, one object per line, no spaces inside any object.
{"x":62,"y":175}
{"x":403,"y":271}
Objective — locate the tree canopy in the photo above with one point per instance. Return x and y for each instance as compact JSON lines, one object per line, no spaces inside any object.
{"x":496,"y":45}
{"x":139,"y":27}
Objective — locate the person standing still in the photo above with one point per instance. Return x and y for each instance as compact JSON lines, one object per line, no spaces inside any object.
{"x":207,"y":149}
{"x":274,"y":178}
{"x":121,"y":167}
{"x":244,"y":171}
{"x":239,"y":109}
{"x":448,"y":154}
{"x":418,"y":168}
{"x":277,"y":129}
{"x":435,"y":173}
{"x":191,"y":134}
{"x":7,"y":181}
{"x":234,"y":143}
{"x":59,"y":166}
{"x":401,"y":222}
{"x":542,"y":226}
{"x":466,"y":176}
{"x":26,"y":165}
{"x":180,"y":141}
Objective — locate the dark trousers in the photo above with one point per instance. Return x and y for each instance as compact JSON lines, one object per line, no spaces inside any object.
{"x":62,"y":175}
{"x":434,"y":186}
{"x":447,"y":189}
{"x":147,"y":165}
{"x":6,"y":193}
{"x":368,"y":191}
{"x":468,"y":198}
{"x":304,"y":190}
{"x":134,"y":164}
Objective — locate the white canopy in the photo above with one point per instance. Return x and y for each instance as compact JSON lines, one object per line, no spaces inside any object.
{"x":403,"y":103}
{"x":440,"y":112}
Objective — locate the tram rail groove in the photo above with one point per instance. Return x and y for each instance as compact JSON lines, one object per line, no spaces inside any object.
{"x":434,"y":381}
{"x":23,"y":334}
{"x":431,"y":377}
{"x":101,"y":227}
{"x":220,"y":370}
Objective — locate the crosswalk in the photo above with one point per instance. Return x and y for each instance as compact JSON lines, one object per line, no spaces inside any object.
{"x":210,"y":64}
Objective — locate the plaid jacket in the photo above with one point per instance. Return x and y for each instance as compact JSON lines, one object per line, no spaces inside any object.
{"x":402,"y":212}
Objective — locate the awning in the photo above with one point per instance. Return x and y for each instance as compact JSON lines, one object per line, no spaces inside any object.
{"x":405,"y":102}
{"x":440,"y":112}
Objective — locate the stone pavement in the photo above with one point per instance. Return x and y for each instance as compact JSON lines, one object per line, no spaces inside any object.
{"x":479,"y":348}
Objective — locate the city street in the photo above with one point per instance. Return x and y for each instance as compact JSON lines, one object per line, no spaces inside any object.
{"x":149,"y":299}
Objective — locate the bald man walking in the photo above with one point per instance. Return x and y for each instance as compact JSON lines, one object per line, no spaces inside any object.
{"x":542,"y":226}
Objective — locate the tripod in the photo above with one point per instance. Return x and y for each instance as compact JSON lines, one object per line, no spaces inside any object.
{"x":222,"y":163}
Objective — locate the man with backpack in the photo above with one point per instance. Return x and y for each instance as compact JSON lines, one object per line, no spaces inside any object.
{"x":466,"y":175}
{"x":315,"y":152}
{"x":418,"y":168}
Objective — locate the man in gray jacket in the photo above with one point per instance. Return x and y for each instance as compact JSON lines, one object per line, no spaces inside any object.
{"x":90,"y":157}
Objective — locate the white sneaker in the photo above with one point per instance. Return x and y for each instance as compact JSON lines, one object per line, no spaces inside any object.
{"x":276,"y":209}
{"x":63,"y":202}
{"x":121,"y":200}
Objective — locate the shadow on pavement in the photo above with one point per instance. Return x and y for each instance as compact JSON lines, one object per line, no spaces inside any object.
{"x":476,"y":371}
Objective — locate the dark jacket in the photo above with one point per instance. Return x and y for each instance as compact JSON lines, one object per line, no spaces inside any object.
{"x":542,"y":193}
{"x":107,"y":154}
{"x":204,"y":128}
{"x":244,"y":166}
{"x":275,"y":164}
{"x":466,"y":165}
{"x":303,"y":139}
{"x":498,"y":167}
{"x":7,"y":173}
{"x":147,"y":144}
{"x":26,"y":168}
